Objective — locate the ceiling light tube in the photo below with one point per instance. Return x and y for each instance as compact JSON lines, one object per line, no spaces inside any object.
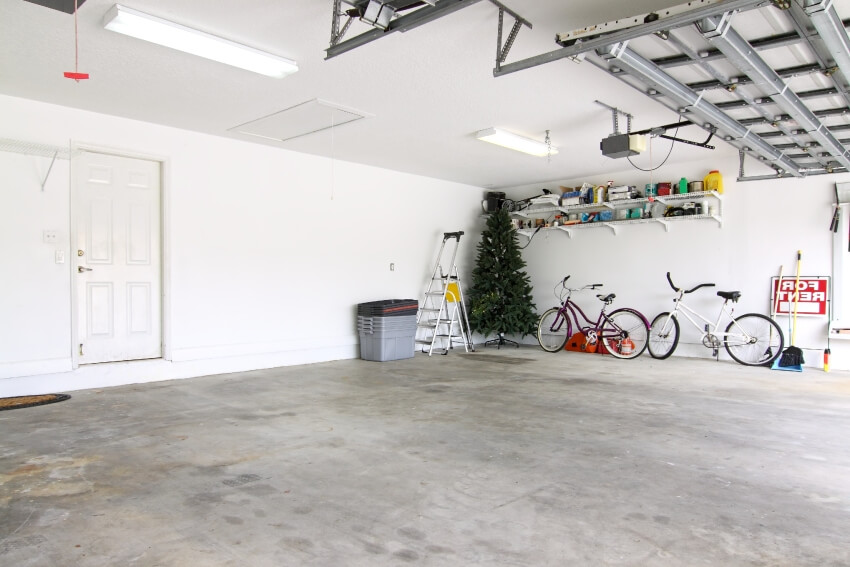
{"x":516,"y":142}
{"x":156,"y":30}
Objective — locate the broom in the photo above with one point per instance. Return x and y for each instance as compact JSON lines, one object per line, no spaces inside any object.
{"x":793,"y":356}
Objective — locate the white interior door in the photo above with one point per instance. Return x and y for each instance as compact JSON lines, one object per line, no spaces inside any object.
{"x":117,"y":260}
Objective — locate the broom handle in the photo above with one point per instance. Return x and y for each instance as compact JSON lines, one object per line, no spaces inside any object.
{"x":775,"y":307}
{"x":796,"y":298}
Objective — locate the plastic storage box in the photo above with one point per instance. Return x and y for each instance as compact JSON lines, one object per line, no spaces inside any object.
{"x":388,"y":308}
{"x":387,"y":345}
{"x":387,"y":329}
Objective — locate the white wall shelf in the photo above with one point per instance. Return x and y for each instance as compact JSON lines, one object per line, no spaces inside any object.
{"x":616,"y":225}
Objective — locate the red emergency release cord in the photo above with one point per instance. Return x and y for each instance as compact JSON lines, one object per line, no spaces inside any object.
{"x":76,"y":75}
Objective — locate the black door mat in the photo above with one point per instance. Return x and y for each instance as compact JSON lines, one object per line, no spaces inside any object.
{"x":30,"y":401}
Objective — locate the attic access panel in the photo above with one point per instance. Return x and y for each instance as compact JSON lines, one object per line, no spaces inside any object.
{"x":770,"y":78}
{"x":300,"y":120}
{"x":66,"y":6}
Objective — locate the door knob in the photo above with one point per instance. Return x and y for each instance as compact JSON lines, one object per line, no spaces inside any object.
{"x":82,"y":269}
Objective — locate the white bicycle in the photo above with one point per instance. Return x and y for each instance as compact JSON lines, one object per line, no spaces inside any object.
{"x":751,"y":339}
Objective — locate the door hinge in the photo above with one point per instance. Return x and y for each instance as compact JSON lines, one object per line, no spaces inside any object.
{"x":81,"y":349}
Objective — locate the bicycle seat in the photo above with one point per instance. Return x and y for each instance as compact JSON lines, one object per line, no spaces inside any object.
{"x":733,"y":295}
{"x":606,"y":298}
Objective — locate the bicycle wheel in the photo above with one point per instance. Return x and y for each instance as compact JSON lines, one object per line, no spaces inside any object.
{"x":625,"y":333}
{"x":553,"y":330}
{"x":663,"y":336}
{"x":753,"y":340}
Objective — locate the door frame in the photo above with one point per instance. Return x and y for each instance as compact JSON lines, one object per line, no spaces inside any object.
{"x":164,"y":234}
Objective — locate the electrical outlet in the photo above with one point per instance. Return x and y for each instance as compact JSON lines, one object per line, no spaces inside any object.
{"x":50,"y":236}
{"x":392,"y":266}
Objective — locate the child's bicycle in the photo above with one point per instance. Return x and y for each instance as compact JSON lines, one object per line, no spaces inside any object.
{"x":751,"y":339}
{"x":623,"y":333}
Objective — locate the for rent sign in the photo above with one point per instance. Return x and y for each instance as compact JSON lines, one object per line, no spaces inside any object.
{"x":812,"y":295}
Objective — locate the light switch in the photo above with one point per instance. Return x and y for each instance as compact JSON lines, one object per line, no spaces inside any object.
{"x":60,"y":256}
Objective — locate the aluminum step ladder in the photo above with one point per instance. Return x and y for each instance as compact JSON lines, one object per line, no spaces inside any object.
{"x":442,"y":321}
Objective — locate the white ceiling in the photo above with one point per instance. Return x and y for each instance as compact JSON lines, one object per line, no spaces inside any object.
{"x":428,"y":90}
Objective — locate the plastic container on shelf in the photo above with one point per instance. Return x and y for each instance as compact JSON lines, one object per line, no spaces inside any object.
{"x":713,"y":182}
{"x":683,"y":185}
{"x":599,"y":194}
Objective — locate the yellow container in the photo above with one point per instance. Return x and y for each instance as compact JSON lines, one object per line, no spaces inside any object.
{"x":713,"y":182}
{"x":452,"y":293}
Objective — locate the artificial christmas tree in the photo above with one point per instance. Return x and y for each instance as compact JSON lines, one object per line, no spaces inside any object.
{"x":500,"y":296}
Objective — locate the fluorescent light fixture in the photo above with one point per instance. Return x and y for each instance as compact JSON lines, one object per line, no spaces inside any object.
{"x":516,"y":142}
{"x":156,"y":30}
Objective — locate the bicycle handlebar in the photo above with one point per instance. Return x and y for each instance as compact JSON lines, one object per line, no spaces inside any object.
{"x":693,"y":289}
{"x":589,"y":286}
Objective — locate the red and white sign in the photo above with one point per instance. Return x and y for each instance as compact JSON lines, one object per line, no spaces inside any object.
{"x":812,"y":299}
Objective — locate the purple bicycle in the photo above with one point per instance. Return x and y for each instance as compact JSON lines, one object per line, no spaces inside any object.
{"x":624,"y":332}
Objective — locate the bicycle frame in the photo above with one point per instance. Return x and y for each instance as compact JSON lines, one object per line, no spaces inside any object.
{"x":592,"y":330}
{"x":706,"y":329}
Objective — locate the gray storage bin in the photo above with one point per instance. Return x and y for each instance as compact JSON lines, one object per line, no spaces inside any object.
{"x":405,"y":323}
{"x":381,"y":346}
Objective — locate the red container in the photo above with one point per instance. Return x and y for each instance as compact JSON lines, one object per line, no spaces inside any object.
{"x":664,"y":189}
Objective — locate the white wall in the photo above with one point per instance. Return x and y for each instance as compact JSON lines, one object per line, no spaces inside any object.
{"x":267,"y":251}
{"x":35,"y":316}
{"x":764,"y":224}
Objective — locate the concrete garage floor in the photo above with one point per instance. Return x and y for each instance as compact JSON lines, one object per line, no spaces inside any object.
{"x":502,"y":457}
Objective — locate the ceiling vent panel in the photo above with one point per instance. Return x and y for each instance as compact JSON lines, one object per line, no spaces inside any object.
{"x":300,"y":120}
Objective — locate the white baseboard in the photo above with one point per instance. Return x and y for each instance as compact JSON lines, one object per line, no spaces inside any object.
{"x":55,"y":379}
{"x":182,"y":354}
{"x":34,"y":367}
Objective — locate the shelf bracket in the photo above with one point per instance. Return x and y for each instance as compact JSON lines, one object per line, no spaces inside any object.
{"x":664,"y":223}
{"x":46,"y":175}
{"x":613,"y":227}
{"x":568,"y":230}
